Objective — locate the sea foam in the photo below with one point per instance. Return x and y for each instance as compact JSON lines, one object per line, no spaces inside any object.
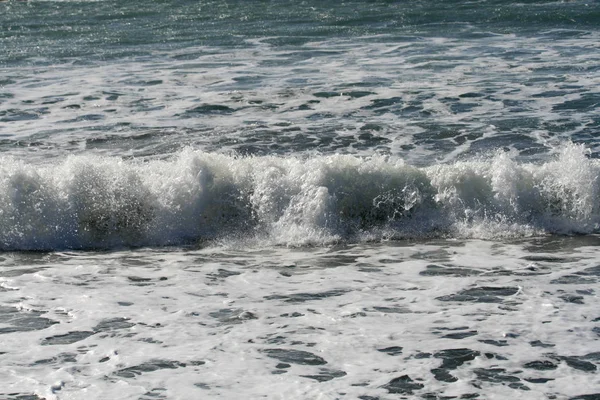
{"x":102,"y":202}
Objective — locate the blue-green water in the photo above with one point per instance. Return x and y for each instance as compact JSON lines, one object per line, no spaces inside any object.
{"x":410,"y":77}
{"x":504,"y":88}
{"x":292,"y":200}
{"x":107,"y":30}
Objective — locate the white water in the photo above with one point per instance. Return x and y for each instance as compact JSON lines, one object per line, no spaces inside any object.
{"x":426,"y":99}
{"x":90,"y":201}
{"x":412,"y":223}
{"x":208,"y":323}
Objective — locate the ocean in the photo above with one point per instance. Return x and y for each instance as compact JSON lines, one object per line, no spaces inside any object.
{"x":299,"y":199}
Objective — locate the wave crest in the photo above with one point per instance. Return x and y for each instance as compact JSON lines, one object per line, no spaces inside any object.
{"x":93,"y":202}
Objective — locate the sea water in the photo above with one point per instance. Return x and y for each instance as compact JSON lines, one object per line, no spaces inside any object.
{"x":299,"y":199}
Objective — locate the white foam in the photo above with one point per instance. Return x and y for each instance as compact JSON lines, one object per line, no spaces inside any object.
{"x":68,"y":107}
{"x":373,"y":297}
{"x":90,"y":201}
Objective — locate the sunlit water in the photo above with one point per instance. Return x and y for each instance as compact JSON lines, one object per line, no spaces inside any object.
{"x":299,"y":200}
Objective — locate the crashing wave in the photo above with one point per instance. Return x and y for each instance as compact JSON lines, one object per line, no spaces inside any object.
{"x":94,"y":202}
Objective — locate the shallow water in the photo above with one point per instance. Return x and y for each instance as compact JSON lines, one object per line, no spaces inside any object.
{"x":293,"y":200}
{"x":435,"y":319}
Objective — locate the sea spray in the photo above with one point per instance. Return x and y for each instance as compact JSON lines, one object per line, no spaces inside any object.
{"x":91,"y":201}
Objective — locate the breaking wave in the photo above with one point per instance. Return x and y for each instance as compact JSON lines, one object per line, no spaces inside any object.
{"x":94,"y":202}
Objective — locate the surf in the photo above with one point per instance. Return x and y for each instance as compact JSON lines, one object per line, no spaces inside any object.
{"x":89,"y":201}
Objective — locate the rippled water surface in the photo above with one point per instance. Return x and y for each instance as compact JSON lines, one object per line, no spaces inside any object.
{"x":294,"y":200}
